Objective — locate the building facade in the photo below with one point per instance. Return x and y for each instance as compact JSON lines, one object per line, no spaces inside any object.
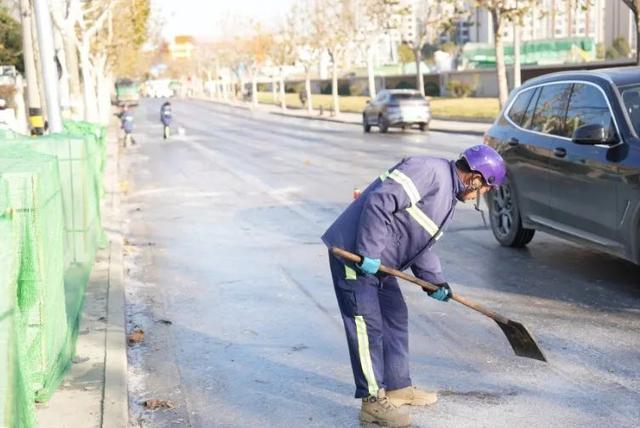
{"x":603,"y":21}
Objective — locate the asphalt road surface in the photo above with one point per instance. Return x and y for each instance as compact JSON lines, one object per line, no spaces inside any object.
{"x":230,"y":282}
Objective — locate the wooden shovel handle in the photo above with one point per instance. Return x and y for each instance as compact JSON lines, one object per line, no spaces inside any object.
{"x":424,"y":284}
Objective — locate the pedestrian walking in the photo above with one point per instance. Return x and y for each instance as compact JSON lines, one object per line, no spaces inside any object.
{"x":126,"y":124}
{"x":396,"y":221}
{"x":166,"y":116}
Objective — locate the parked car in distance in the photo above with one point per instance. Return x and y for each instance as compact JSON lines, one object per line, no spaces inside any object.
{"x":572,"y":148}
{"x":399,"y":108}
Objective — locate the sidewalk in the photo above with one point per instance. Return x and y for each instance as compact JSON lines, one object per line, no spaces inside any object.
{"x":94,"y":391}
{"x":439,"y":125}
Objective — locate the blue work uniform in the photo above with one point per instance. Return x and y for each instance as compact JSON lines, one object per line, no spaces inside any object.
{"x":165,"y":115}
{"x":397,"y":219}
{"x":126,"y":121}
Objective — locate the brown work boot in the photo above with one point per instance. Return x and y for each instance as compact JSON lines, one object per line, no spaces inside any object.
{"x":379,"y":410}
{"x":412,"y":396}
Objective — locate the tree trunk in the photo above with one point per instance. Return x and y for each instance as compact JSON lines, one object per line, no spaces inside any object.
{"x":371,"y":73}
{"x":63,"y":81}
{"x":241,"y":83}
{"x":103,"y":89}
{"x":307,"y":88}
{"x":283,"y":101}
{"x":21,"y":110}
{"x":503,"y":90}
{"x":274,"y":89}
{"x":88,"y":83}
{"x":417,"y":54}
{"x":517,"y":77}
{"x":254,"y":89}
{"x":225,"y":94}
{"x":334,"y":84}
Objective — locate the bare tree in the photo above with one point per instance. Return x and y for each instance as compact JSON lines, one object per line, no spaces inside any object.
{"x":258,"y":46}
{"x":503,"y":12}
{"x":340,"y":16}
{"x":310,"y":32}
{"x":372,"y":18}
{"x":283,"y":54}
{"x":93,"y":17}
{"x":65,"y":14}
{"x":432,"y":17}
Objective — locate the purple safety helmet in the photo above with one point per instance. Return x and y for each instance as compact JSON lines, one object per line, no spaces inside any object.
{"x":486,"y":161}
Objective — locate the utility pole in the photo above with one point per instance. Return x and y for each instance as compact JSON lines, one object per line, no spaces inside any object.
{"x":47,"y":59}
{"x":36,"y":123}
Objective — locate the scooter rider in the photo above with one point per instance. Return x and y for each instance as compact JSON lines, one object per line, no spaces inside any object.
{"x":396,"y":221}
{"x":166,"y":116}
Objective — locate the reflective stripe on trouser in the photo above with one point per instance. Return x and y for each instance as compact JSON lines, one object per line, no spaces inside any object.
{"x":376,"y":325}
{"x":414,"y":196}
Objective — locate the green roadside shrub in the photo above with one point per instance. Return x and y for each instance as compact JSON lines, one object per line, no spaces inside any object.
{"x":459,"y":89}
{"x":432,"y":89}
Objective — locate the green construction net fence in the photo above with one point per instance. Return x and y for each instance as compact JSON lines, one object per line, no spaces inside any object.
{"x":16,"y":409}
{"x":50,"y":191}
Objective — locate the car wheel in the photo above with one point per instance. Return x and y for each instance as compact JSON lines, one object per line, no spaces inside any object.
{"x":365,"y":126}
{"x":382,"y":124}
{"x":506,"y":223}
{"x":424,"y":127}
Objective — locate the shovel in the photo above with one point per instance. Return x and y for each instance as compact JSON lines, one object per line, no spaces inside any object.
{"x":519,"y":338}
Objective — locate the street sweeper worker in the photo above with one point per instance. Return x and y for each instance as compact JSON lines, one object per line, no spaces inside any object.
{"x":396,"y":221}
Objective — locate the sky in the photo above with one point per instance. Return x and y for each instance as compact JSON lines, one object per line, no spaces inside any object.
{"x":202,"y":18}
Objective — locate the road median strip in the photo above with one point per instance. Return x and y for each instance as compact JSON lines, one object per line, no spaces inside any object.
{"x":469,"y":127}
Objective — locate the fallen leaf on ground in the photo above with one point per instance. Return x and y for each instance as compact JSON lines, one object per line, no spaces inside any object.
{"x":154,"y":404}
{"x":136,"y":336}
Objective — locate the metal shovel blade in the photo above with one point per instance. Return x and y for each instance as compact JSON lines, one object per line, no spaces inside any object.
{"x":521,"y":340}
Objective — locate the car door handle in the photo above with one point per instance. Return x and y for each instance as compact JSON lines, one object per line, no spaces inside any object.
{"x":513,"y":141}
{"x":560,"y":152}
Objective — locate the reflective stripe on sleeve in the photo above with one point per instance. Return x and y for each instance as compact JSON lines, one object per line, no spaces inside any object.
{"x":424,"y":221}
{"x":414,"y":196}
{"x":365,"y":355}
{"x":349,"y":273}
{"x":407,"y":184}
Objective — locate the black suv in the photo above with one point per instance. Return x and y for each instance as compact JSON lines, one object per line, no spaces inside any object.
{"x":571,"y":144}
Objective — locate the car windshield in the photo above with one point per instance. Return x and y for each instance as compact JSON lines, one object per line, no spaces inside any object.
{"x":631,"y":98}
{"x":407,"y":97}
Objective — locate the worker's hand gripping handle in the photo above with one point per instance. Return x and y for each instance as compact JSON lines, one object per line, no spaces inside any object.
{"x":422,"y":283}
{"x":346,"y":255}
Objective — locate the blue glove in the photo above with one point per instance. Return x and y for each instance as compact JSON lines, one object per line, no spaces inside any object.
{"x":443,"y":293}
{"x":369,"y":266}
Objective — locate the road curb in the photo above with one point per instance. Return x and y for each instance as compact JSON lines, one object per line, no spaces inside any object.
{"x":115,"y":404}
{"x":447,"y":128}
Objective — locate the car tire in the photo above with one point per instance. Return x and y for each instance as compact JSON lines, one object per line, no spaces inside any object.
{"x":365,"y":126}
{"x":504,"y":216}
{"x":424,"y":127}
{"x":382,"y":124}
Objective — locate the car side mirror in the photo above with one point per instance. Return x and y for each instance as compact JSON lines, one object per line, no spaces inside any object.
{"x":590,"y":135}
